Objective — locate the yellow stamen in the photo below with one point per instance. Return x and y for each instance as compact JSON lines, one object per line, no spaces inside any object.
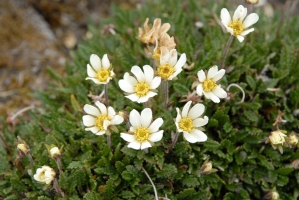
{"x":100,"y":121}
{"x":103,"y":75}
{"x":165,"y":71}
{"x":156,"y":54}
{"x":142,"y":134}
{"x":208,"y":85}
{"x":186,"y":124}
{"x":142,"y":89}
{"x":237,"y":27}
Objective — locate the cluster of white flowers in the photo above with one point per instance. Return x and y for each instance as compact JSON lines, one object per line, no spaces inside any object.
{"x":143,"y":86}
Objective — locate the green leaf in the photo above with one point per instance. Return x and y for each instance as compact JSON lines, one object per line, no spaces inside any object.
{"x":179,"y":88}
{"x":168,"y":170}
{"x":75,"y":164}
{"x":92,"y":196}
{"x":284,"y":171}
{"x":251,"y":82}
{"x":251,"y":116}
{"x":264,"y":162}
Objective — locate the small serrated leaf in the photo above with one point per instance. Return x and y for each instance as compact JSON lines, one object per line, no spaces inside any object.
{"x":251,"y":116}
{"x":179,"y":88}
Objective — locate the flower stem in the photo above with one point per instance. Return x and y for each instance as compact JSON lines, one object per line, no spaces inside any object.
{"x":222,"y":65}
{"x":236,"y":85}
{"x":250,"y":8}
{"x":30,"y":159}
{"x":106,"y":94}
{"x":58,"y":162}
{"x":154,"y":187}
{"x":166,"y":95}
{"x":284,"y":12}
{"x":57,"y":187}
{"x":5,"y":144}
{"x":109,"y":141}
{"x":175,"y":139}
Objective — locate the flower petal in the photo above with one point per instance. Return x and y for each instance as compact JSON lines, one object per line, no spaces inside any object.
{"x":102,"y":107}
{"x":96,"y":81}
{"x":91,"y":110}
{"x":181,"y":62}
{"x":125,"y":86}
{"x":155,"y":137}
{"x":178,"y":117}
{"x":93,"y":129}
{"x":145,"y":145}
{"x":225,"y":17}
{"x":240,"y":13}
{"x":105,"y":62}
{"x":130,"y":79}
{"x":219,"y":92}
{"x":186,"y":109}
{"x":250,"y":20}
{"x":240,"y":38}
{"x":199,"y":90}
{"x":212,"y":96}
{"x":88,"y":120}
{"x":146,"y":97}
{"x":173,"y":57}
{"x":117,"y":119}
{"x":247,"y":31}
{"x":212,"y":71}
{"x":138,"y":73}
{"x":219,"y":75}
{"x":95,"y":62}
{"x":100,"y":133}
{"x":128,"y":137}
{"x":135,"y":118}
{"x":133,"y":97}
{"x":199,"y":135}
{"x":190,"y":138}
{"x":201,"y":76}
{"x":135,"y":145}
{"x":149,"y":73}
{"x":146,"y":117}
{"x":106,"y":124}
{"x":200,"y":121}
{"x":164,"y":55}
{"x":196,"y":110}
{"x":111,"y":112}
{"x":154,"y":127}
{"x":175,"y":74}
{"x":155,"y":82}
{"x":90,"y":71}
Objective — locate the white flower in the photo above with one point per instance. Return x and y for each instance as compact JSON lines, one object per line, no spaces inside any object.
{"x":169,"y":67}
{"x":99,"y":72}
{"x":55,"y":152}
{"x":45,"y":174}
{"x":189,"y":122}
{"x":141,"y":88}
{"x":208,"y":85}
{"x":143,"y":132}
{"x":239,"y":24}
{"x":99,"y":119}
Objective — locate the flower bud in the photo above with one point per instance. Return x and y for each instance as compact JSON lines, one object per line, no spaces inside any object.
{"x":277,"y":139}
{"x":252,"y":1}
{"x":274,"y":195}
{"x":55,"y":152}
{"x":45,"y":175}
{"x":292,"y":139}
{"x":207,"y":168}
{"x":23,"y":148}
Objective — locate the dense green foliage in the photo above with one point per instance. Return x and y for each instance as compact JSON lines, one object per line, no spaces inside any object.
{"x":247,"y":167}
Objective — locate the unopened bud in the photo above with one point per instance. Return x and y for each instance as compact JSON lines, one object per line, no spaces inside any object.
{"x":252,"y":1}
{"x":23,"y":148}
{"x":55,"y":152}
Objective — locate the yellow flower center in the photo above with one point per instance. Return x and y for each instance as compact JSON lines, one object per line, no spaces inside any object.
{"x":142,"y":134}
{"x":165,"y":71}
{"x":156,"y":54}
{"x":100,"y":121}
{"x":141,"y":88}
{"x":103,"y":75}
{"x":186,"y":124}
{"x":208,"y":85}
{"x":237,"y":27}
